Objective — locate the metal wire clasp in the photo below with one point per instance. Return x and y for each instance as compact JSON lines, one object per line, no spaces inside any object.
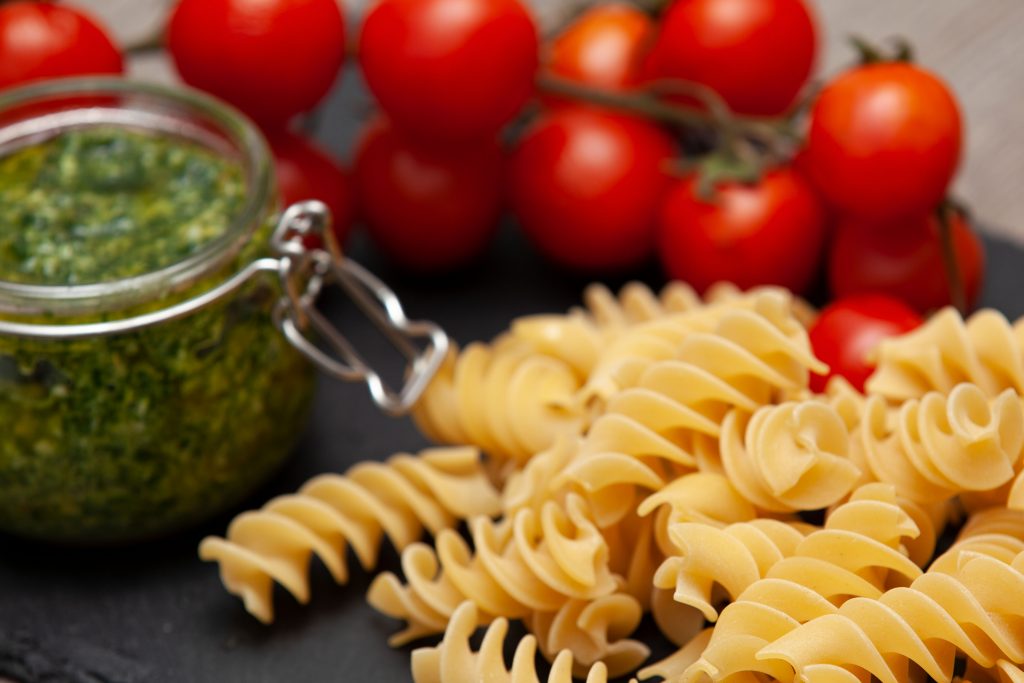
{"x":305,"y":272}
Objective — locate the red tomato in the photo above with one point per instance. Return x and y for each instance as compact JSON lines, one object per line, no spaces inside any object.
{"x":428,"y":208}
{"x":451,"y":69}
{"x":46,"y":40}
{"x":884,"y":141}
{"x":903,"y":258}
{"x":272,"y":59}
{"x":769,"y":233}
{"x":756,"y":54}
{"x":848,"y":330}
{"x":306,"y":172}
{"x":586,"y":186}
{"x":605,"y":47}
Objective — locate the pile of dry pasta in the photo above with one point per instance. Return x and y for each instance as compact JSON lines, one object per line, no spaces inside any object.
{"x":652,"y":454}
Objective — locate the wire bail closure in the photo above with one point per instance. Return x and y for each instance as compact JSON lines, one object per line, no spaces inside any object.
{"x":305,"y":272}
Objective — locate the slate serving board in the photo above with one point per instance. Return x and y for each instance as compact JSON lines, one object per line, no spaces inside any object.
{"x":155,"y":614}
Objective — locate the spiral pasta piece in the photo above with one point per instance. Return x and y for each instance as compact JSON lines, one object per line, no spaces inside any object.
{"x":453,"y":661}
{"x":593,"y":631}
{"x":856,"y":554}
{"x":506,"y":398}
{"x":530,"y":562}
{"x":732,"y":558}
{"x":636,"y":303}
{"x":946,"y":351}
{"x":723,"y":292}
{"x":789,"y":457}
{"x":942,"y":445}
{"x":669,"y":423}
{"x":708,"y":498}
{"x":512,"y":397}
{"x":764,"y":315}
{"x":970,"y":601}
{"x":398,"y":499}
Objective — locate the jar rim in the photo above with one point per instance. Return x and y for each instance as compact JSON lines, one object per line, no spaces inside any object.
{"x":241,"y":133}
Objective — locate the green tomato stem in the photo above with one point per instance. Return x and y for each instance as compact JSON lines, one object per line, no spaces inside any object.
{"x":633,"y":103}
{"x":775,"y":135}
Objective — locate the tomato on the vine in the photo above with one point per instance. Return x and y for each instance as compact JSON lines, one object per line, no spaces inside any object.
{"x":604,"y":48}
{"x":272,"y":59}
{"x":46,"y":40}
{"x":586,"y":185}
{"x":756,"y":54}
{"x":428,"y":208}
{"x":771,"y":232}
{"x":884,"y":140}
{"x":305,"y":171}
{"x":450,"y":69}
{"x":903,"y":258}
{"x":848,"y":330}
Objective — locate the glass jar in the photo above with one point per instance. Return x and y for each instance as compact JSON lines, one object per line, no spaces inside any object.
{"x":135,"y":406}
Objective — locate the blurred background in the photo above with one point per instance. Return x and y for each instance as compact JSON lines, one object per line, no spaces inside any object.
{"x":974,"y":44}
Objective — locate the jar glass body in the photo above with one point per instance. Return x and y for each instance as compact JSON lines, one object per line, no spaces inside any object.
{"x":114,"y":437}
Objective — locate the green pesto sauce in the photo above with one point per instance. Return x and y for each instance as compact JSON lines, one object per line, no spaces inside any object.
{"x":102,"y":204}
{"x":110,"y":439}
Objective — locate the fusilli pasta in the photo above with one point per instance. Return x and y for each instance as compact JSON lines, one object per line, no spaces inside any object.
{"x":670,"y":421}
{"x":506,"y":398}
{"x":789,"y":457}
{"x":398,"y":499}
{"x":946,"y":351}
{"x":512,"y":397}
{"x":593,"y":631}
{"x":648,"y":453}
{"x":530,"y":562}
{"x":764,"y":315}
{"x":941,"y":445}
{"x":856,"y":554}
{"x":971,"y":601}
{"x":731,"y":558}
{"x":453,"y":661}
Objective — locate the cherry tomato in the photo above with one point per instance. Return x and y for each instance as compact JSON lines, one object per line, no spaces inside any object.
{"x":428,"y":208}
{"x":903,"y":258}
{"x":272,"y":59}
{"x":756,"y":54}
{"x":306,"y":172}
{"x":605,"y":47}
{"x":769,"y":233}
{"x":884,"y":141}
{"x":848,"y":330}
{"x":451,"y":69}
{"x":586,"y":186}
{"x":45,"y":40}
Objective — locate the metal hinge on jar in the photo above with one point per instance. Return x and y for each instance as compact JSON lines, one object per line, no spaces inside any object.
{"x":306,"y":272}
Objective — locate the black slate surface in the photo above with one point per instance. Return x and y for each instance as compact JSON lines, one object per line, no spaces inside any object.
{"x":155,"y":614}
